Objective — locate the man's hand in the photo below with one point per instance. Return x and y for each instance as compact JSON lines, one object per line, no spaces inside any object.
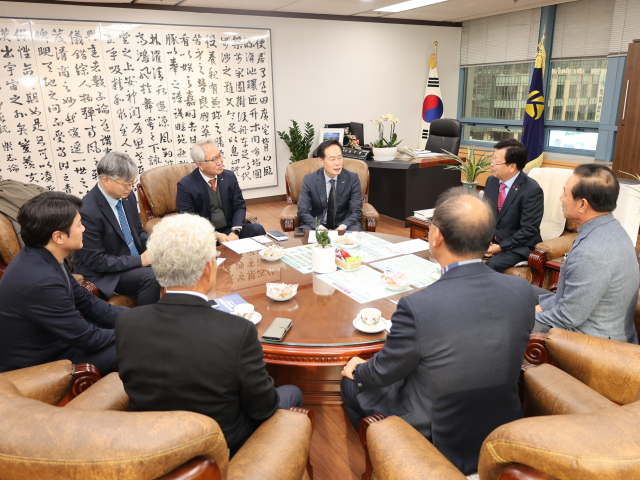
{"x":493,"y":249}
{"x":321,"y":227}
{"x":232,"y":236}
{"x":145,"y":259}
{"x":342,"y":227}
{"x":538,"y":308}
{"x":221,"y":237}
{"x":347,"y":371}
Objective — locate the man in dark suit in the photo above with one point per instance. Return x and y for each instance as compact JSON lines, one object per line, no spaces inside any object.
{"x":451,"y":362}
{"x":519,"y":203}
{"x":114,"y":256}
{"x":181,"y":354}
{"x":213,"y":193}
{"x":44,"y":314}
{"x":331,"y":194}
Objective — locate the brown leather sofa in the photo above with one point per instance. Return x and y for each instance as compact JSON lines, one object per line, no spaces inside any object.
{"x":293,"y":180}
{"x":278,"y":449}
{"x":10,"y":247}
{"x":157,"y":192}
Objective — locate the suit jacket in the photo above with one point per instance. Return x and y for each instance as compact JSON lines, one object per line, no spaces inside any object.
{"x":313,"y":198}
{"x":193,"y":197}
{"x":518,"y":226}
{"x":105,"y":254}
{"x":597,"y":292}
{"x":42,"y":320}
{"x":450,"y":365}
{"x":181,"y":354}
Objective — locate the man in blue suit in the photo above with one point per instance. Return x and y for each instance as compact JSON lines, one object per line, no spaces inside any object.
{"x":332,"y":194}
{"x":213,"y":193}
{"x":450,"y":364}
{"x":114,"y":255}
{"x":45,"y":315}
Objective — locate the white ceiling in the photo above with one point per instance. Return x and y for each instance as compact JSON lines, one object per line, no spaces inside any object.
{"x":448,"y":11}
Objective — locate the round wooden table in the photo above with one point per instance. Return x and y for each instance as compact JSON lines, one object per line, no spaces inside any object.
{"x":322,"y":337}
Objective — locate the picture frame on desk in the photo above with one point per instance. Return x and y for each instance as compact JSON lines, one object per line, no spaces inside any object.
{"x":331,"y":134}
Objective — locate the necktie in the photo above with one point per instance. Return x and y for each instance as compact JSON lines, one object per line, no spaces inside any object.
{"x":125,"y":229}
{"x":331,"y":206}
{"x":502,"y":195}
{"x":213,"y":183}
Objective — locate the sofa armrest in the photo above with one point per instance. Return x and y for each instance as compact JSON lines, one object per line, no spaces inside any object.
{"x":90,"y":287}
{"x":609,"y":367}
{"x":370,"y":218}
{"x":550,"y":391}
{"x":279,"y":448}
{"x":200,"y":468}
{"x":152,"y":222}
{"x":47,"y":383}
{"x":399,"y":452}
{"x":289,"y":218}
{"x":106,"y":394}
{"x":250,"y":218}
{"x":557,"y":247}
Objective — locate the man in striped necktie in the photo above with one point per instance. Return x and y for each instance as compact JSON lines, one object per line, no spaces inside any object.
{"x":114,"y":255}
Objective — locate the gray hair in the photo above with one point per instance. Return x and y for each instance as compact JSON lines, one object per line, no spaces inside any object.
{"x":116,"y":166}
{"x":179,"y":248}
{"x":197,"y":154}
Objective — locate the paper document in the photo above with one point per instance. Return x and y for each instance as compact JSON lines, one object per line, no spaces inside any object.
{"x":362,"y":285}
{"x":219,"y":261}
{"x":421,"y":272}
{"x":299,"y":258}
{"x":262,"y":239}
{"x":411,"y":246}
{"x":243,"y":245}
{"x":428,"y":213}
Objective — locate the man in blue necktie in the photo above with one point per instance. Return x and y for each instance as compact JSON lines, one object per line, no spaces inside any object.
{"x":114,"y":255}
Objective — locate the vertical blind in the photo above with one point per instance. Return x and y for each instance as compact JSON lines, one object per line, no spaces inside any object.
{"x":507,"y":38}
{"x":626,"y":25}
{"x":583,"y":29}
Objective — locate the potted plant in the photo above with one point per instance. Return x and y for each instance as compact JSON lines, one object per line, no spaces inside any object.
{"x":472,"y":167}
{"x":383,"y":149}
{"x":323,"y":255}
{"x":299,"y":144}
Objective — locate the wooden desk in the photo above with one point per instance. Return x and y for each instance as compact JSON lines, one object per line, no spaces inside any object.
{"x":418,"y":228}
{"x":322,"y":338}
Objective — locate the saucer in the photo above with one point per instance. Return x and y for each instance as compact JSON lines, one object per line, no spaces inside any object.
{"x":396,"y":288}
{"x":255,"y":318}
{"x":382,"y":324}
{"x":270,"y":259}
{"x":345,"y":246}
{"x":436,"y":274}
{"x":281,"y":299}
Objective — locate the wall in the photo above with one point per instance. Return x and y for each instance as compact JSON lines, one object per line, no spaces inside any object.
{"x":323,"y":71}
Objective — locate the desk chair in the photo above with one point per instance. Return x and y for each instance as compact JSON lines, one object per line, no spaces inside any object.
{"x":444,"y":134}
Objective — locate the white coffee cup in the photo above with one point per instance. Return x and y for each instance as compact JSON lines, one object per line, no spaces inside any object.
{"x":244,"y":310}
{"x":370,"y":316}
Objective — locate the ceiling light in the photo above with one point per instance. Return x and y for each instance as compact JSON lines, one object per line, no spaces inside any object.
{"x":409,"y":5}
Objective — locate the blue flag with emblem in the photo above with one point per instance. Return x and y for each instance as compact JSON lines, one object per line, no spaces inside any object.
{"x":533,"y":126}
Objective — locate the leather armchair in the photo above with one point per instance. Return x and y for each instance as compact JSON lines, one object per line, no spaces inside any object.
{"x":444,"y":134}
{"x":278,"y":449}
{"x":10,"y":247}
{"x":293,"y":180}
{"x":157,"y":192}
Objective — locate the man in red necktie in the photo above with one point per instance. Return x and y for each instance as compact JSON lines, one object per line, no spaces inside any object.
{"x":519,"y":201}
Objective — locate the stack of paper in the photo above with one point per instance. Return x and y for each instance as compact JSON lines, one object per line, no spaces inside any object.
{"x":424,"y":214}
{"x":244,"y":245}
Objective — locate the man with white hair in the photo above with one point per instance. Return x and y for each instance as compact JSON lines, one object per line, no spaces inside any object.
{"x":213,"y":193}
{"x":181,"y":354}
{"x":114,"y":254}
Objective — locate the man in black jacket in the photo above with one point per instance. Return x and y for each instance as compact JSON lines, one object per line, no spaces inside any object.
{"x":44,"y":314}
{"x":181,"y":354}
{"x":451,"y":362}
{"x":519,"y":203}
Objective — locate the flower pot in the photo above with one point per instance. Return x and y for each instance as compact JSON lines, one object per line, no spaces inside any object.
{"x":384,"y":154}
{"x":323,"y":259}
{"x":471,"y":186}
{"x":321,"y":287}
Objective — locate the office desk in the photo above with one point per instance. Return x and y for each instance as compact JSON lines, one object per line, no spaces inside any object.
{"x":322,"y":338}
{"x":399,"y":187}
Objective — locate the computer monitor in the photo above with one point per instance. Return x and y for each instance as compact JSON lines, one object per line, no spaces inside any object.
{"x":356,"y":129}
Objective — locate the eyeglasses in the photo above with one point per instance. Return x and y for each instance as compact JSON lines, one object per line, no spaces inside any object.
{"x":431,"y":224}
{"x":217,"y":159}
{"x":126,"y":186}
{"x":493,"y":162}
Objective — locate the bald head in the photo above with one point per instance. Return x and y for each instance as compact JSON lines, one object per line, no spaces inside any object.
{"x":467,"y":222}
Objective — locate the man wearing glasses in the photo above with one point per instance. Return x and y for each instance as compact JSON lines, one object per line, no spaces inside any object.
{"x":519,"y":203}
{"x":114,"y":255}
{"x":213,"y":193}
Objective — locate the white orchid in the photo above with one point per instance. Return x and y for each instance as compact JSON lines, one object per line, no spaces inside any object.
{"x":381,"y":142}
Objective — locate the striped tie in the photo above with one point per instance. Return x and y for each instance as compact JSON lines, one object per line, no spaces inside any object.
{"x":126,"y":230}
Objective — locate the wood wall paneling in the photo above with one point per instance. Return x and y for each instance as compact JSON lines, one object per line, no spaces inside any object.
{"x":625,"y":157}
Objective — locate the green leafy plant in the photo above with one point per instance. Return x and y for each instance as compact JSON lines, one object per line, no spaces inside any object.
{"x":299,"y":144}
{"x":322,"y":236}
{"x":393,"y":137}
{"x":472,"y":167}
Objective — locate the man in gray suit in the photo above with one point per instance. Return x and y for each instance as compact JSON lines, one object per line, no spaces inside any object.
{"x":598,"y":285}
{"x":331,"y":194}
{"x":451,"y":362}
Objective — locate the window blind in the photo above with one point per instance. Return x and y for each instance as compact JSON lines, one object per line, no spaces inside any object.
{"x":583,"y":29}
{"x":626,"y":26}
{"x":507,"y":38}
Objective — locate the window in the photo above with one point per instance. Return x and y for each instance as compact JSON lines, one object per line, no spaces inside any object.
{"x":496,"y":91}
{"x":573,"y":139}
{"x":580,"y":81}
{"x":491,"y":134}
